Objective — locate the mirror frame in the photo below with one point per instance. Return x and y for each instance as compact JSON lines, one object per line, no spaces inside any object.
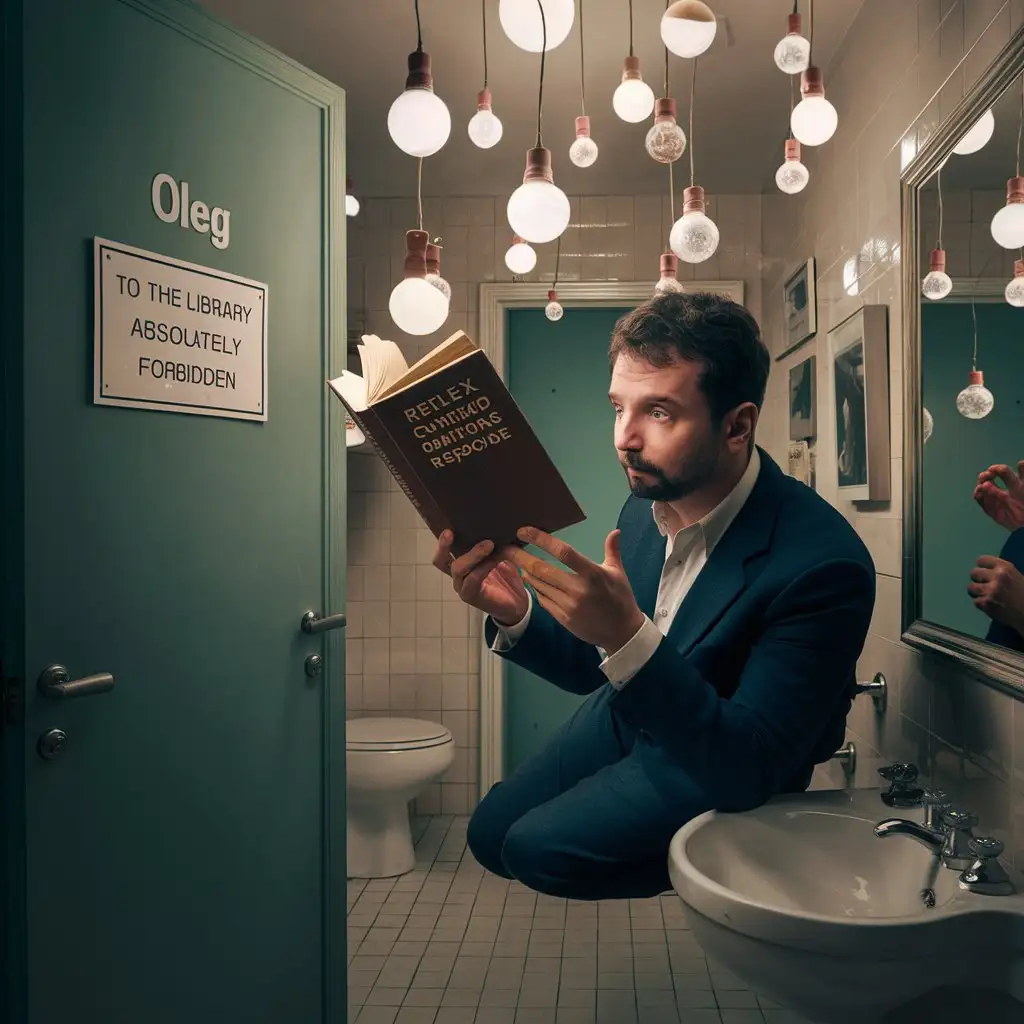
{"x":997,"y":666}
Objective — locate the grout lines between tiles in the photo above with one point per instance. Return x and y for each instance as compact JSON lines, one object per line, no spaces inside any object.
{"x":450,"y":944}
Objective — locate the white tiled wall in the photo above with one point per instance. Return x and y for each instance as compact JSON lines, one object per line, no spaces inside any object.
{"x":896,"y":79}
{"x":413,"y":648}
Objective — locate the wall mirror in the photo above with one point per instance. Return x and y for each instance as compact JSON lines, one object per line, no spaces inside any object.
{"x":963,"y":241}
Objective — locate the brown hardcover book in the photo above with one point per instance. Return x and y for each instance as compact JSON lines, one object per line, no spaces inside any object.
{"x":456,"y":442}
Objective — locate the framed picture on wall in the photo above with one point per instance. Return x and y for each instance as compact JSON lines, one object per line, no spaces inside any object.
{"x":859,"y":348}
{"x":800,"y":308}
{"x":802,"y":404}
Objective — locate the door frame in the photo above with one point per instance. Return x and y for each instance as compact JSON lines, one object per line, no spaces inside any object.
{"x":496,"y":301}
{"x":205,"y":28}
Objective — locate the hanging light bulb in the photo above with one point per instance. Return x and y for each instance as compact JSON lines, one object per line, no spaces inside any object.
{"x":1008,"y":223}
{"x":418,"y":121}
{"x":1015,"y":289}
{"x":553,"y":310}
{"x":485,"y":129}
{"x":977,"y":135}
{"x":521,"y":21}
{"x":792,"y":176}
{"x":694,"y":237}
{"x":520,"y":257}
{"x":665,"y":141}
{"x":936,"y":284}
{"x":433,"y":276}
{"x":688,"y":28}
{"x":668,"y":282}
{"x":415,"y":305}
{"x":538,"y":211}
{"x":793,"y":51}
{"x":814,"y":119}
{"x":351,"y":203}
{"x":975,"y":401}
{"x":583,"y":152}
{"x":928,"y":424}
{"x":633,"y":100}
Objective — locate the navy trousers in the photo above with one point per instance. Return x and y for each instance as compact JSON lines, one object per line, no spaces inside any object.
{"x":581,"y":819}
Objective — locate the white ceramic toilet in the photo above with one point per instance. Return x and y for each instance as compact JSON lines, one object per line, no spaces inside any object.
{"x":389,"y":761}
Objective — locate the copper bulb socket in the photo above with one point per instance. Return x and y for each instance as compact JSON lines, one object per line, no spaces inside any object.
{"x":419,"y":71}
{"x":631,"y":68}
{"x":516,"y":240}
{"x":483,"y":99}
{"x":1015,"y":190}
{"x":975,"y":377}
{"x":812,"y":83}
{"x":552,"y":295}
{"x":538,"y":166}
{"x":583,"y":127}
{"x":669,"y":264}
{"x":693,"y":199}
{"x":416,"y":253}
{"x":794,"y":25}
{"x":433,"y":258}
{"x":792,"y":149}
{"x":1018,"y":268}
{"x":665,"y":109}
{"x":938,"y":261}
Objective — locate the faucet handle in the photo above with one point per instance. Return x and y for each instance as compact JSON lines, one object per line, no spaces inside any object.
{"x":959,"y":821}
{"x":899,"y":773}
{"x":985,"y":847}
{"x":902,"y":791}
{"x":986,"y":876}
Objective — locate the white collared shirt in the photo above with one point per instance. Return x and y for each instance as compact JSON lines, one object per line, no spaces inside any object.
{"x":687,"y":550}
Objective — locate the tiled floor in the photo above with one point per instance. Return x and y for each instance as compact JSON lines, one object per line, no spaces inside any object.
{"x":450,"y":944}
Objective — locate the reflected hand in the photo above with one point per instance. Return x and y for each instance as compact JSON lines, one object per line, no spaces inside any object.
{"x":1006,"y":507}
{"x":997,"y":587}
{"x":484,"y":581}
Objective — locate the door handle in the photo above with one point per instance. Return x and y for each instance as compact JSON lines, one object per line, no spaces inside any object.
{"x":56,"y":684}
{"x":312,"y":623}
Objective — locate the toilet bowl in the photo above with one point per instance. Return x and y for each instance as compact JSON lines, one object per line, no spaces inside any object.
{"x":389,"y":762}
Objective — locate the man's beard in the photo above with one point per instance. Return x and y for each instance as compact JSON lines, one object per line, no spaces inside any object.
{"x":695,"y":472}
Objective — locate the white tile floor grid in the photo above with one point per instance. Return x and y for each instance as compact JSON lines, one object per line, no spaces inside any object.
{"x":450,"y":944}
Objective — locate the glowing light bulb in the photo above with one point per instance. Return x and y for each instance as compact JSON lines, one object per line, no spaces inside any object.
{"x":433,"y":276}
{"x":484,"y":128}
{"x":975,"y":401}
{"x":688,"y":28}
{"x":668,"y":281}
{"x":416,"y":306}
{"x":553,"y":310}
{"x":792,"y":176}
{"x":937,"y":284}
{"x":793,"y":51}
{"x":665,"y":141}
{"x":1015,"y":289}
{"x":583,"y":152}
{"x":814,"y":119}
{"x":520,"y":257}
{"x":351,"y":205}
{"x":977,"y":135}
{"x":633,"y":100}
{"x":694,"y":237}
{"x":1008,"y":223}
{"x":521,"y":22}
{"x":538,"y":211}
{"x":418,"y":121}
{"x":928,"y":424}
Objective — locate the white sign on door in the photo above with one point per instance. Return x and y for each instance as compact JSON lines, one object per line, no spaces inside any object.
{"x":178,"y":337}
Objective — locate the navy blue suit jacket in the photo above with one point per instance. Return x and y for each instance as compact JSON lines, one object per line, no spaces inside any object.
{"x":752,"y":685}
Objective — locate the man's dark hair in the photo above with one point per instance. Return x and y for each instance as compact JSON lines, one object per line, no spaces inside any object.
{"x":700,"y":328}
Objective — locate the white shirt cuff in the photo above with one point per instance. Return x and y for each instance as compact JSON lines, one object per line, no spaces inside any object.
{"x":621,"y":666}
{"x":508,"y":635}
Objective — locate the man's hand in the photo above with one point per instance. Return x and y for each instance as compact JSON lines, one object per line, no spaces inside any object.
{"x":1006,"y":507}
{"x":998,"y":590}
{"x":594,"y":602}
{"x":483,"y":581}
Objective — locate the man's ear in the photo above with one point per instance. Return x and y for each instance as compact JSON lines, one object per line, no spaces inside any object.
{"x":742,"y":422}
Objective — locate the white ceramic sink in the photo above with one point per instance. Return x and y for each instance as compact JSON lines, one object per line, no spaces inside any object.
{"x":802,"y":900}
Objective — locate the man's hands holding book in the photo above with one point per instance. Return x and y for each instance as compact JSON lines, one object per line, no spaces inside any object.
{"x":484,"y":580}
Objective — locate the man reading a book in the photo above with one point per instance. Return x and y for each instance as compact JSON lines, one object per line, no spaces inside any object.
{"x":717,"y":640}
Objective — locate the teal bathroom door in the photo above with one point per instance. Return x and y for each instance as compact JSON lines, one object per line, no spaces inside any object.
{"x":181,"y":858}
{"x":558,"y":373}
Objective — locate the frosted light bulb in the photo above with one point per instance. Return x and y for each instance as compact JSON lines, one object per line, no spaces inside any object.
{"x":793,"y":51}
{"x":1008,"y":223}
{"x":520,"y":257}
{"x":668,"y":282}
{"x":633,"y":100}
{"x":694,"y":237}
{"x":583,"y":152}
{"x":415,"y":305}
{"x":975,"y":401}
{"x":665,"y":141}
{"x":553,"y":310}
{"x":792,"y":176}
{"x":937,"y":284}
{"x":433,"y":276}
{"x":485,"y":129}
{"x":814,"y":119}
{"x":538,"y":211}
{"x":418,"y":121}
{"x":928,"y":424}
{"x":521,"y":22}
{"x":1015,"y":289}
{"x":688,"y":28}
{"x":977,"y":135}
{"x":351,"y":205}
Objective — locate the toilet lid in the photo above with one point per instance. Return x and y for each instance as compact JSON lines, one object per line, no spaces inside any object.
{"x":394,"y":734}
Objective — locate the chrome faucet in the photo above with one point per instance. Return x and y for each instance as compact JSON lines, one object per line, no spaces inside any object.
{"x":933,"y":839}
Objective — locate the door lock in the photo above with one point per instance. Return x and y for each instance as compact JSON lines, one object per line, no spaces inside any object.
{"x":314,"y":665}
{"x":52,"y":744}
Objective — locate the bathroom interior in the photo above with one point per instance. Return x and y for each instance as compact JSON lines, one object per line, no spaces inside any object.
{"x":878,"y":239}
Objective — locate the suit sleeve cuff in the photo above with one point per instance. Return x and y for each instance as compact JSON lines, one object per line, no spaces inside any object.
{"x":621,"y":666}
{"x":506,"y":636}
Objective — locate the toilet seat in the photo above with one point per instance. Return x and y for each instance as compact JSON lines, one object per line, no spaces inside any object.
{"x":395,"y":734}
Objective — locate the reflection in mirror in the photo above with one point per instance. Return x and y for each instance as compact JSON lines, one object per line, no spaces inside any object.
{"x":971,"y":234}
